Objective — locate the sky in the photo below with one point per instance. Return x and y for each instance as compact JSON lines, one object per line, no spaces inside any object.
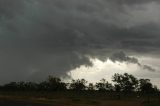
{"x":89,"y":39}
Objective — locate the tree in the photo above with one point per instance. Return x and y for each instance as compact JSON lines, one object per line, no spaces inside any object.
{"x":43,"y":86}
{"x":90,"y":87}
{"x":117,"y":88}
{"x":12,"y":86}
{"x":55,"y":84}
{"x":52,"y":84}
{"x":31,"y":86}
{"x":78,"y":85}
{"x":125,"y":82}
{"x":145,"y":86}
{"x":21,"y":85}
{"x":104,"y":85}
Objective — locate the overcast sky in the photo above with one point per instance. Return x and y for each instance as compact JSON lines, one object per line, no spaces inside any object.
{"x":68,"y":37}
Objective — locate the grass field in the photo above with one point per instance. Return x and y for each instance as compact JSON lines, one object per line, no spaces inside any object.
{"x":80,"y":98}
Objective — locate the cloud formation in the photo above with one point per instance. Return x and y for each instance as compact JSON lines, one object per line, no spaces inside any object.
{"x":122,"y":57}
{"x":42,"y":37}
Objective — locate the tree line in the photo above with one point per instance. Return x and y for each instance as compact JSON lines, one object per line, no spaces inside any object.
{"x":121,"y":83}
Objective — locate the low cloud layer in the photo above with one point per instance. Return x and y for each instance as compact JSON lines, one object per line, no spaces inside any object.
{"x":122,"y":57}
{"x":42,"y":37}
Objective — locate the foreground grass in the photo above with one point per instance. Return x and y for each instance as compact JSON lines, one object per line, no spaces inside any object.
{"x":80,"y":98}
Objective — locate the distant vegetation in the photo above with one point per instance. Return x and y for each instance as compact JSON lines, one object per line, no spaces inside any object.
{"x":122,"y":83}
{"x":125,"y":90}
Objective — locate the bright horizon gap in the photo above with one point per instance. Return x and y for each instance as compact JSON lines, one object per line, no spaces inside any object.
{"x":106,"y":69}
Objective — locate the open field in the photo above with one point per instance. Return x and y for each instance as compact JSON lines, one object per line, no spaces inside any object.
{"x":108,"y":103}
{"x":8,"y":103}
{"x":74,"y":99}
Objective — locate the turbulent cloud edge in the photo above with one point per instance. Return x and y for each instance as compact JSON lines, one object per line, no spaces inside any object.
{"x":122,"y":57}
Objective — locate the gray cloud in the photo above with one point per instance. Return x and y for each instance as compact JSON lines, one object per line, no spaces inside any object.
{"x":122,"y":57}
{"x":42,"y":37}
{"x":149,"y":68}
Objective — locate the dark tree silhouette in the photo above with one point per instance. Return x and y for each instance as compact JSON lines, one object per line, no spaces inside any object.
{"x":125,"y":82}
{"x":43,"y":86}
{"x":11,"y":86}
{"x":78,"y":85}
{"x":31,"y":86}
{"x":56,"y":84}
{"x":145,"y":86}
{"x":21,"y":85}
{"x":91,"y":87}
{"x":104,"y":85}
{"x":52,"y":84}
{"x":117,"y":88}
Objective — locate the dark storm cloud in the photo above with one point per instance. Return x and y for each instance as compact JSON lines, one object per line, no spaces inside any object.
{"x":42,"y":37}
{"x":122,"y":57}
{"x":132,"y":2}
{"x":149,"y":68}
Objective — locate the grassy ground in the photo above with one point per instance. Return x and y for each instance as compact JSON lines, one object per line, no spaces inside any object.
{"x":80,"y":98}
